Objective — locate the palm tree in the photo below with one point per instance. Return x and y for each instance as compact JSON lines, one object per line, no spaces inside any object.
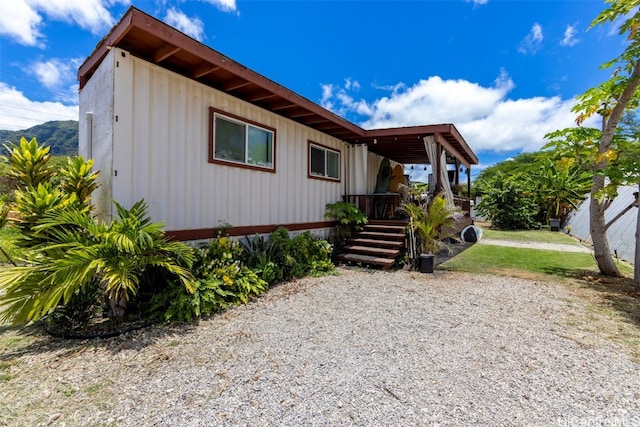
{"x":429,"y":224}
{"x":82,"y":251}
{"x":561,"y":187}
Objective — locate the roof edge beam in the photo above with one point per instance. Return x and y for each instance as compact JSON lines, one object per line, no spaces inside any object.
{"x":236,"y":84}
{"x":204,"y":70}
{"x":164,"y":52}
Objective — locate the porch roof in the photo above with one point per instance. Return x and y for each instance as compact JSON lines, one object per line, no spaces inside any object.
{"x":152,"y":40}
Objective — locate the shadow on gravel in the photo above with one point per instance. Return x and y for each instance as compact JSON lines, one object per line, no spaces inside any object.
{"x":17,"y":341}
{"x":617,"y":293}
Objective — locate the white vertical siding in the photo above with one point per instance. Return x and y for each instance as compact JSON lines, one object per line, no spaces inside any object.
{"x":97,"y":98}
{"x":161,"y":154}
{"x":621,"y":234}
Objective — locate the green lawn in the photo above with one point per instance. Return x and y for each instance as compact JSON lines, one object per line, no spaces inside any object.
{"x":481,"y":258}
{"x":501,"y":260}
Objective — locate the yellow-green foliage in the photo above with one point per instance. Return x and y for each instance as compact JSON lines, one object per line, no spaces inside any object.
{"x":28,"y":162}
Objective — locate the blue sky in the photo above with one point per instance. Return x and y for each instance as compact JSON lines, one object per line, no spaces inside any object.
{"x":504,"y":72}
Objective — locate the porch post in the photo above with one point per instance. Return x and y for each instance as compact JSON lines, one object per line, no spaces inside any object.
{"x":469,"y":181}
{"x":438,"y":165}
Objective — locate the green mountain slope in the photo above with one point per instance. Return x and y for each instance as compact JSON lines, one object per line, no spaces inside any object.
{"x":61,"y":136}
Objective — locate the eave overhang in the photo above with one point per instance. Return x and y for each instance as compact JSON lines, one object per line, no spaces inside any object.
{"x":156,"y":42}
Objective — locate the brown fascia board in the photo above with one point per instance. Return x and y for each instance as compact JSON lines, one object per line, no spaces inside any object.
{"x":468,"y":157}
{"x":138,"y":19}
{"x":473,"y":158}
{"x":135,"y":18}
{"x":116,"y":34}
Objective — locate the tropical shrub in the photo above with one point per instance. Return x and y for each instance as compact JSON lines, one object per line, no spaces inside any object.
{"x":258,"y":255}
{"x":349,"y":219}
{"x":509,"y":202}
{"x":428,"y":224}
{"x":312,"y":255}
{"x":221,"y":259}
{"x":29,"y":162}
{"x":222,"y":280}
{"x":82,"y":251}
{"x":74,"y":262}
{"x":300,"y":256}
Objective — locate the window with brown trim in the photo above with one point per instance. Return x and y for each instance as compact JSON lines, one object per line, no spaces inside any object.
{"x":324,"y":162}
{"x":239,"y":142}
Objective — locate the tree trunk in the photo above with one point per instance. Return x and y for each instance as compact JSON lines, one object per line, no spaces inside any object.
{"x":598,"y":228}
{"x":636,"y":264}
{"x":117,"y":304}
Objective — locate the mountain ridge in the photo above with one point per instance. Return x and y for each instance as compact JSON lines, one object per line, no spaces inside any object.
{"x":61,"y":136}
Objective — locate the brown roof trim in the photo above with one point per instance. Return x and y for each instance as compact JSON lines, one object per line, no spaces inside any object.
{"x":450,"y":138}
{"x":152,"y":40}
{"x":212,"y":233}
{"x":135,"y":18}
{"x":115,"y":35}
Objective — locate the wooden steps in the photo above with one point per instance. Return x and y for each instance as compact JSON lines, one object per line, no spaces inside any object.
{"x":378,"y":244}
{"x":373,"y":242}
{"x":386,"y":263}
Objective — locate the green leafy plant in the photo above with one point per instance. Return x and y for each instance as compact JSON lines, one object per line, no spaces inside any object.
{"x":82,"y":250}
{"x":312,"y":255}
{"x":429,"y":225}
{"x":176,"y":304}
{"x":222,"y":280}
{"x":32,"y":204}
{"x":79,"y":179}
{"x":300,"y":256}
{"x":258,"y":255}
{"x":509,"y":202}
{"x":28,"y":162}
{"x":349,"y":219}
{"x":5,"y":208}
{"x":560,"y":187}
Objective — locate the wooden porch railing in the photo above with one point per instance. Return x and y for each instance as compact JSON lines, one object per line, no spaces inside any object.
{"x":375,"y":205}
{"x":384,"y":205}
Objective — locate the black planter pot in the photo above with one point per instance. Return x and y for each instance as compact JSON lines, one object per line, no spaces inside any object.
{"x":426,"y":263}
{"x":554,"y":224}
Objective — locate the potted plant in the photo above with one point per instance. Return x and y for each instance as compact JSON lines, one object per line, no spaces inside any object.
{"x":428,"y":227}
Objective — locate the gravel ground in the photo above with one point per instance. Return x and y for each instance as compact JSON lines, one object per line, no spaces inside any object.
{"x":361,"y":348}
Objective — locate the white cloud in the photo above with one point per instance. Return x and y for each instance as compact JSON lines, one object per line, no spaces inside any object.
{"x":58,"y":76}
{"x":531,"y":43}
{"x":477,"y":3}
{"x":18,"y":112}
{"x":51,"y":73}
{"x":488,"y":120}
{"x":190,"y":26}
{"x":20,"y":20}
{"x":569,"y":38}
{"x":224,"y":5}
{"x":518,"y":125}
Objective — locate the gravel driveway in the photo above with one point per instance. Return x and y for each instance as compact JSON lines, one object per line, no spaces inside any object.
{"x":361,"y":348}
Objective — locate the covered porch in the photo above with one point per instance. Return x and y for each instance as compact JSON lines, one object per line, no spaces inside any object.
{"x":438,"y":155}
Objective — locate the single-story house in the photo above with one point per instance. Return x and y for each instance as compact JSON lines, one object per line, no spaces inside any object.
{"x":208,"y":142}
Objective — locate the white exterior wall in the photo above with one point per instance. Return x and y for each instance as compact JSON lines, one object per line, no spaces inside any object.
{"x":95,"y":136}
{"x":621,"y":234}
{"x":160,"y":153}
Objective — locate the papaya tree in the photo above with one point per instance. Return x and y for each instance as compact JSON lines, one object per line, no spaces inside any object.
{"x":611,"y":99}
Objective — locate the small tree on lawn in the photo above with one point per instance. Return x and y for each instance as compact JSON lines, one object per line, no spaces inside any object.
{"x":611,"y":99}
